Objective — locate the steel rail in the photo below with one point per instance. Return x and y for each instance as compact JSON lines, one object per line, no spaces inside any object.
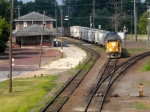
{"x":111,"y":74}
{"x":98,"y":55}
{"x":132,"y":61}
{"x":100,"y":82}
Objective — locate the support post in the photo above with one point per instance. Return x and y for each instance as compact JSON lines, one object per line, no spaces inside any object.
{"x":10,"y":48}
{"x":61,"y":33}
{"x":135,"y":21}
{"x":41,"y":40}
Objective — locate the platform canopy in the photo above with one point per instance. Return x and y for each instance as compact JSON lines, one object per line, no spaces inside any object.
{"x":34,"y":30}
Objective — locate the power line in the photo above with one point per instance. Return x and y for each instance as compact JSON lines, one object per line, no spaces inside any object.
{"x":81,"y":4}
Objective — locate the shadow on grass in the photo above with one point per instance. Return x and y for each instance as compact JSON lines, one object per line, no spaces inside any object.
{"x":125,"y":53}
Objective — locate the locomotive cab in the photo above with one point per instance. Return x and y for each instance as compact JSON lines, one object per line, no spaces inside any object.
{"x":113,"y":46}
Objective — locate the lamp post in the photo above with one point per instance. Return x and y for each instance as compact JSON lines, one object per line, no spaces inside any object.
{"x":90,"y":21}
{"x":125,"y":31}
{"x":67,"y":17}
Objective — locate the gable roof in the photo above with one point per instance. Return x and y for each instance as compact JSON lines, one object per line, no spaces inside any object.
{"x":34,"y":16}
{"x":34,"y":30}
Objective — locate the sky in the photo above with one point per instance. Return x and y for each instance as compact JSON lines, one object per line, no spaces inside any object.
{"x":59,"y":1}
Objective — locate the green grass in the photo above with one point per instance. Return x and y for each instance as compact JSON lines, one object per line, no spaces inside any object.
{"x":132,"y":50}
{"x":70,"y":72}
{"x":146,"y":67}
{"x":139,"y":105}
{"x":86,"y":67}
{"x":78,"y":67}
{"x":138,"y":36}
{"x":27,"y":95}
{"x":144,"y":81}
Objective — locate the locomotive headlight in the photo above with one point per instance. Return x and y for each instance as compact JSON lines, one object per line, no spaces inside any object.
{"x":110,"y":49}
{"x":113,"y":44}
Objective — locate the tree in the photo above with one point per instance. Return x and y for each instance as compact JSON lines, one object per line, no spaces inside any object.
{"x":5,"y":9}
{"x":4,"y":34}
{"x":143,"y":23}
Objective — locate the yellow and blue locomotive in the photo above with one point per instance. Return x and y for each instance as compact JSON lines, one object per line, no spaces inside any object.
{"x":113,"y":46}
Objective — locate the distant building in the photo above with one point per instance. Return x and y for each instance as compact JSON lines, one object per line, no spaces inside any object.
{"x":33,"y":18}
{"x":29,"y":30}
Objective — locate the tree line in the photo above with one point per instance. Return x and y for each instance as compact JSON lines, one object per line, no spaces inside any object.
{"x":112,"y":15}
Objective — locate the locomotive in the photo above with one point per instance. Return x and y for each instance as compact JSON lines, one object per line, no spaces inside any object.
{"x":107,"y":39}
{"x":113,"y":45}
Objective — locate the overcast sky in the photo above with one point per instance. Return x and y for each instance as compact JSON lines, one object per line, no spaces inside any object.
{"x":59,"y":1}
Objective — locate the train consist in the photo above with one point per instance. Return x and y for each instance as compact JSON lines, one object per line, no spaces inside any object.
{"x":110,"y":40}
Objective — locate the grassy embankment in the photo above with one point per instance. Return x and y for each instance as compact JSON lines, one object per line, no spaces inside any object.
{"x":141,"y":43}
{"x":28,"y":94}
{"x":140,"y":36}
{"x":146,"y":67}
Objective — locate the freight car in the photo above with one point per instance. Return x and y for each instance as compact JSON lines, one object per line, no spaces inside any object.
{"x":110,"y":40}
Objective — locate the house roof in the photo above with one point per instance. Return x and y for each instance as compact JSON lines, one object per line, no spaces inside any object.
{"x":34,"y":16}
{"x":34,"y":30}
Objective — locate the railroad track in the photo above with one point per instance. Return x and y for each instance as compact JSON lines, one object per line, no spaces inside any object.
{"x":100,"y":91}
{"x":102,"y":85}
{"x":61,"y":98}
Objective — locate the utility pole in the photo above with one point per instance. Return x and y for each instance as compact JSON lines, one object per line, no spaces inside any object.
{"x":121,"y":7}
{"x":131,"y":24}
{"x":10,"y":48}
{"x":68,"y":16}
{"x":116,"y":6}
{"x":56,"y":27}
{"x":135,"y":21}
{"x":90,"y":22}
{"x":148,"y":28}
{"x":93,"y":14}
{"x":121,"y":15}
{"x":61,"y":12}
{"x":41,"y":40}
{"x":18,"y":10}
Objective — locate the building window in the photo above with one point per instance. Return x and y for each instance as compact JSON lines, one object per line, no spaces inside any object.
{"x":25,"y":24}
{"x":44,"y":23}
{"x":47,"y":38}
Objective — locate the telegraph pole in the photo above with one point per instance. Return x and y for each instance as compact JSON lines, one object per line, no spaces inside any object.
{"x":56,"y":27}
{"x":121,"y":6}
{"x":10,"y":48}
{"x":41,"y":40}
{"x":148,"y":28}
{"x":135,"y":21}
{"x":115,"y":16}
{"x":68,"y":16}
{"x":93,"y":14}
{"x":131,"y":24}
{"x":18,"y":10}
{"x":61,"y":12}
